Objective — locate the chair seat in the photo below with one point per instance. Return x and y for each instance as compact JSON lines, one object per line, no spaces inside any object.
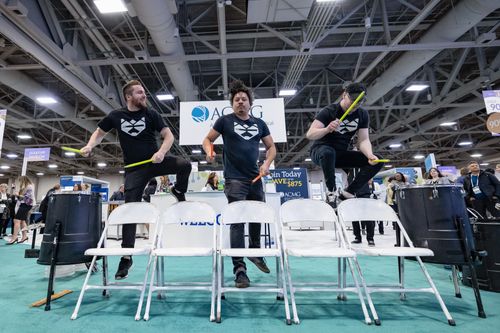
{"x":396,"y":251}
{"x":184,"y":252}
{"x":321,"y":252}
{"x":259,"y":252}
{"x":117,"y":251}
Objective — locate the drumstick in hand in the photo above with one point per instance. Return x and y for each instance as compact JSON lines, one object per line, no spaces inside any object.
{"x":257,"y":178}
{"x":138,"y":163}
{"x":352,"y":106}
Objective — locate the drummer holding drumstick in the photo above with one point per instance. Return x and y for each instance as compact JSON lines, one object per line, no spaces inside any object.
{"x":332,"y":137}
{"x":137,"y":128}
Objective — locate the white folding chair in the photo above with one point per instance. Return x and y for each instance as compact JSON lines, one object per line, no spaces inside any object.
{"x":129,"y":213}
{"x":247,"y":211}
{"x":322,"y":245}
{"x":375,"y":210}
{"x":187,"y":229}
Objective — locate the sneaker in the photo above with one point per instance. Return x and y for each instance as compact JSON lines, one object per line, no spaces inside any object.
{"x":331,"y":199}
{"x":261,"y":264}
{"x":356,"y":241}
{"x":371,"y":243}
{"x":241,"y":280}
{"x":178,"y":195}
{"x":123,"y":268}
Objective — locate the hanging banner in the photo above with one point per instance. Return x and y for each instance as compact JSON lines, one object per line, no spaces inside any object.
{"x":291,"y":183}
{"x":33,"y":155}
{"x":492,"y":103}
{"x":197,"y":118}
{"x":3,"y":117}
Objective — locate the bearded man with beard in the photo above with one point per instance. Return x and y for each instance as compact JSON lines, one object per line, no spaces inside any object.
{"x":137,"y":127}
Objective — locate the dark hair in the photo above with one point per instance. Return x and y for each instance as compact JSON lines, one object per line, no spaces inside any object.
{"x":473,"y":162}
{"x":403,"y":177}
{"x":490,"y":170}
{"x":238,"y":86}
{"x":152,"y":182}
{"x":464,"y":171}
{"x":210,"y":179}
{"x":127,"y":88}
{"x":78,"y":187}
{"x":355,"y":88}
{"x":440,"y":175}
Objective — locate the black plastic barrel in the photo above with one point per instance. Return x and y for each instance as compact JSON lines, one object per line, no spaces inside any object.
{"x":487,"y":236}
{"x":80,"y":218}
{"x":429,"y":214}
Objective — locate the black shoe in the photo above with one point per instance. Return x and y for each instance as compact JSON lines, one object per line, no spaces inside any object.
{"x":261,"y":264}
{"x":241,"y":280}
{"x":331,"y":199}
{"x":179,"y":196}
{"x":356,"y":241}
{"x":371,"y":243}
{"x":123,"y":268}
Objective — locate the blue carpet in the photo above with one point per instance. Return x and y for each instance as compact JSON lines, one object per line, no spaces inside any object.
{"x":23,"y":282}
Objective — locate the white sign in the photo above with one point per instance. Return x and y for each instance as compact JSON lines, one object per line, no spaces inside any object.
{"x":197,"y":118}
{"x":491,"y":100}
{"x":3,"y":117}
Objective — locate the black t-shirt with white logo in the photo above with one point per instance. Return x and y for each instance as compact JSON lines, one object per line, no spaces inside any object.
{"x":241,"y":145}
{"x":136,"y":132}
{"x":341,"y":138}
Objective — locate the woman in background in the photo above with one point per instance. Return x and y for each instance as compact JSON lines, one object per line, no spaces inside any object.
{"x":26,"y":201}
{"x":5,"y":206}
{"x":212,"y":183}
{"x":436,"y":178}
{"x":77,"y":187}
{"x":395,"y":182}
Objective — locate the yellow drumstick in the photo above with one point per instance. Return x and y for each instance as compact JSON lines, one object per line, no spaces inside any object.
{"x":352,"y":106}
{"x":138,"y":163}
{"x":72,"y":150}
{"x":381,"y":161}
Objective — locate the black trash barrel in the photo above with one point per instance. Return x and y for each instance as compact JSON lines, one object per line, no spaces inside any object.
{"x":80,"y":218}
{"x":428,"y":213}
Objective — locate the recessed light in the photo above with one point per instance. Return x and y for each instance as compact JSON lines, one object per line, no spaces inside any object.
{"x":165,"y":97}
{"x":11,"y":155}
{"x":196,"y":151}
{"x":465,"y":143}
{"x":121,"y":171}
{"x":395,"y":145}
{"x":24,"y":136}
{"x":287,"y":92}
{"x":69,"y":153}
{"x":110,"y":6}
{"x":46,"y":100}
{"x":80,"y":173}
{"x":388,"y":165}
{"x":52,"y":166}
{"x":448,"y":123}
{"x":308,"y":159}
{"x":39,"y":173}
{"x":417,"y":87}
{"x":101,"y":164}
{"x":484,"y":164}
{"x":296,"y":168}
{"x":476,"y":155}
{"x":1,"y":175}
{"x":4,"y":167}
{"x":203,"y":162}
{"x":418,"y":157}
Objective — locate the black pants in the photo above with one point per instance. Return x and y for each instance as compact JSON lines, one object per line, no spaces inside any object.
{"x":237,"y":190}
{"x":328,"y":158}
{"x":370,"y":229}
{"x":137,"y":179}
{"x":483,"y":205}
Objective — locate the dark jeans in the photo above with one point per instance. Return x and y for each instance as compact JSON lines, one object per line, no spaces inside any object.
{"x":370,"y":229}
{"x":483,"y":205}
{"x":328,"y":158}
{"x":237,"y":190}
{"x":137,"y":179}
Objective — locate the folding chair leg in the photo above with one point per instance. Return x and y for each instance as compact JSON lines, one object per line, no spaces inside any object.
{"x":80,"y":298}
{"x":285,"y":293}
{"x":279,"y":296}
{"x":367,"y":293}
{"x":401,"y":262}
{"x":219,"y":287}
{"x":150,"y":292}
{"x":454,"y":274}
{"x":339,"y":279}
{"x":292,"y":292}
{"x":143,"y":290}
{"x":360,"y":294}
{"x":451,"y":321}
{"x":214,"y":281}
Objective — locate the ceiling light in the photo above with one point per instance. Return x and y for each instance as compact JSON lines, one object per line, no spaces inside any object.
{"x":388,"y":165}
{"x":46,"y":100}
{"x":52,"y":166}
{"x":203,"y":162}
{"x":11,"y":155}
{"x":484,"y":164}
{"x":308,"y":159}
{"x":69,"y":153}
{"x":80,"y":173}
{"x":287,"y":92}
{"x":39,"y":173}
{"x":262,"y":148}
{"x":448,"y":123}
{"x":325,"y":0}
{"x":418,"y":157}
{"x":101,"y":164}
{"x":465,"y":143}
{"x":1,"y":175}
{"x":5,"y":167}
{"x":395,"y":145}
{"x":476,"y":155}
{"x":417,"y":87}
{"x":24,"y":136}
{"x":121,"y":171}
{"x":110,"y":6}
{"x":165,"y":97}
{"x":196,"y":151}
{"x":296,"y":168}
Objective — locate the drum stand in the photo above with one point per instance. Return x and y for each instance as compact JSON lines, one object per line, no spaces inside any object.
{"x":55,"y":247}
{"x":469,"y":260}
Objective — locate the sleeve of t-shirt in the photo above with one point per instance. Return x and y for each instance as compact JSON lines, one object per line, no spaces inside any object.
{"x":158,"y":121}
{"x":265,"y":130}
{"x":219,"y":125}
{"x":364,"y":120}
{"x":324,"y":116}
{"x":106,"y":124}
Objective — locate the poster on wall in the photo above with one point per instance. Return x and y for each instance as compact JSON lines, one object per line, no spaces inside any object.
{"x":492,"y":103}
{"x":291,"y":183}
{"x":197,"y":118}
{"x":3,"y":117}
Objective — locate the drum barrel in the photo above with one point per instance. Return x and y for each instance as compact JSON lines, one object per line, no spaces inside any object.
{"x":80,"y":218}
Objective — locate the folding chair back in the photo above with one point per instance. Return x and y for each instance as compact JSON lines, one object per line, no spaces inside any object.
{"x":248,"y":211}
{"x":307,"y":211}
{"x":134,"y":212}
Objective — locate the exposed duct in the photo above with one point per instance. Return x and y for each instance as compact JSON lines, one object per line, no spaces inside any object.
{"x":157,"y":17}
{"x":465,"y":15}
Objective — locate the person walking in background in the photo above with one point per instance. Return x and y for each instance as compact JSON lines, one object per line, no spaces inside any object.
{"x":241,"y":134}
{"x":482,"y":190}
{"x":435,"y":177}
{"x":118,"y":195}
{"x":395,"y":182}
{"x":463,"y":173}
{"x":26,"y":200}
{"x":5,"y":208}
{"x":137,"y":127}
{"x":212,"y":183}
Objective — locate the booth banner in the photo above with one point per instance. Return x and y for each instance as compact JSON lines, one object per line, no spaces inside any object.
{"x":291,"y":183}
{"x":36,"y":154}
{"x":449,"y":171}
{"x":3,"y":117}
{"x":491,"y":100}
{"x":197,"y":118}
{"x":430,"y":162}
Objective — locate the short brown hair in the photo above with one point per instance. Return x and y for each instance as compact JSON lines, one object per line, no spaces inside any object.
{"x":237,"y":87}
{"x":127,"y":88}
{"x":472,"y":162}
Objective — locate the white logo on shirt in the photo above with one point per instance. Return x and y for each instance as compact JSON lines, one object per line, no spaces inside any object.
{"x":348,"y":126}
{"x":133,"y":127}
{"x":245,"y":131}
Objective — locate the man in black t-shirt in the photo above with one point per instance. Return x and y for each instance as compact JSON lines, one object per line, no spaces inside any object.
{"x":137,"y":127}
{"x":241,"y":133}
{"x":332,"y":137}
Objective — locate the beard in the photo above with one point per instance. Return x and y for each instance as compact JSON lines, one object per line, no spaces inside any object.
{"x":138,"y":103}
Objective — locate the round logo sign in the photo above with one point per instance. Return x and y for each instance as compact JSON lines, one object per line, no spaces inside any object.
{"x":493,"y":122}
{"x":199,"y":113}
